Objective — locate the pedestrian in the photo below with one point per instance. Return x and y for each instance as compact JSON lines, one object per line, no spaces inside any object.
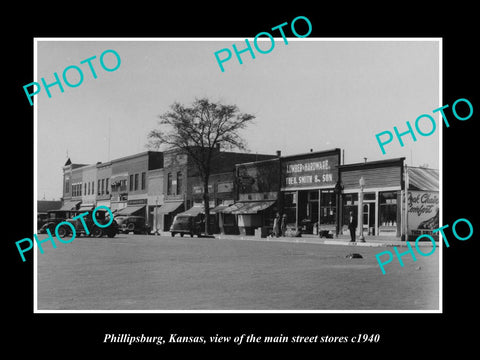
{"x":276,"y":225}
{"x":283,"y":226}
{"x":352,"y":226}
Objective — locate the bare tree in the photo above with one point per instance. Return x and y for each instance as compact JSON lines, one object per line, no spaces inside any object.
{"x":196,"y":130}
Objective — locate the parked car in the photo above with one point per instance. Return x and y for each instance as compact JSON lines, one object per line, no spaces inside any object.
{"x":186,"y":224}
{"x":42,"y":219}
{"x":101,"y":217}
{"x":129,"y":223}
{"x":54,"y":217}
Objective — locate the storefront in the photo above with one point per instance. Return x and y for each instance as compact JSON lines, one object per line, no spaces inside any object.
{"x":309,"y":200}
{"x":167,"y":212}
{"x":258,"y":186}
{"x":135,"y":207}
{"x":378,"y":187}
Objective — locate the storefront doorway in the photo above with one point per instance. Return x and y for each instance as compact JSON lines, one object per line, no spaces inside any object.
{"x":369,"y":218}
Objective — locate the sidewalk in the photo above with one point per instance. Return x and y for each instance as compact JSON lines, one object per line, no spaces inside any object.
{"x":374,"y":241}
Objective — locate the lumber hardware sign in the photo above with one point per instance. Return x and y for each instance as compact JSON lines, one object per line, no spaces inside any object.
{"x":320,"y":171}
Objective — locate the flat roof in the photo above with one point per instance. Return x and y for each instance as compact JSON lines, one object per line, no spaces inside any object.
{"x":394,"y":161}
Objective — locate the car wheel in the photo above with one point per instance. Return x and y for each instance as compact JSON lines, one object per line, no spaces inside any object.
{"x":62,"y":232}
{"x":191,"y":234}
{"x":111,"y":234}
{"x":97,"y":232}
{"x":131,"y":227}
{"x":181,"y":234}
{"x":173,"y":234}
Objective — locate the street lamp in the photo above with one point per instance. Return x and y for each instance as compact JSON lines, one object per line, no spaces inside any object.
{"x":360,"y":212}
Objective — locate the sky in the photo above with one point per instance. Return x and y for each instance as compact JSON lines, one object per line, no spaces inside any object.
{"x":311,"y":93}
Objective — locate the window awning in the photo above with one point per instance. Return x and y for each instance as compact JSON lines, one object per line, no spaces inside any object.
{"x":253,"y":207}
{"x":247,"y":207}
{"x":218,"y":209}
{"x":129,"y":210}
{"x":230,"y":209}
{"x":69,"y":205}
{"x":193,"y":211}
{"x":85,"y":207}
{"x":169,"y":207}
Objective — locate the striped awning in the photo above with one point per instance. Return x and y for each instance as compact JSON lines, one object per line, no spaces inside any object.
{"x":193,"y":211}
{"x":247,"y":207}
{"x":69,"y":205}
{"x":423,"y":179}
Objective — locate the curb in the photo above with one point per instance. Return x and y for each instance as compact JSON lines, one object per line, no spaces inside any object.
{"x":312,"y":240}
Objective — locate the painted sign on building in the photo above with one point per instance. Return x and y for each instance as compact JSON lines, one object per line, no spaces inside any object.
{"x":258,"y":177}
{"x":423,"y":213}
{"x":311,"y":172}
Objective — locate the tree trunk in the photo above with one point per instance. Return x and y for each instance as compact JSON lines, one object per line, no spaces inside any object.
{"x":206,"y":204}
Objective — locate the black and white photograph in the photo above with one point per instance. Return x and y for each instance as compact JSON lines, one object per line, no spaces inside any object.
{"x":280,"y":151}
{"x":234,"y":180}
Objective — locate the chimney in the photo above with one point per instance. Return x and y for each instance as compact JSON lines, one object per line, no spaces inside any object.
{"x":279,"y":153}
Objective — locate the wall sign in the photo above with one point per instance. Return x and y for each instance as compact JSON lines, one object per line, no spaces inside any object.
{"x":423,"y":210}
{"x":319,"y":171}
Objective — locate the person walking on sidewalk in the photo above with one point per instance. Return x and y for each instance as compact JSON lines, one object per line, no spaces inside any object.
{"x":283,"y":226}
{"x":276,"y":225}
{"x":352,"y":226}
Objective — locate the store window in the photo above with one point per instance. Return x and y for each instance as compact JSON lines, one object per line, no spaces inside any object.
{"x":144,"y":180}
{"x":179,"y":182}
{"x":388,"y":209}
{"x":169,"y":184}
{"x":328,"y":207}
{"x":290,"y":206}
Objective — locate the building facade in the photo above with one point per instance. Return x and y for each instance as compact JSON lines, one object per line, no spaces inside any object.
{"x":382,"y":189}
{"x":184,"y":188}
{"x":129,"y":190}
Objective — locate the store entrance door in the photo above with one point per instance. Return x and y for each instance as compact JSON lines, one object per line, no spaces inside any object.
{"x":369,"y":218}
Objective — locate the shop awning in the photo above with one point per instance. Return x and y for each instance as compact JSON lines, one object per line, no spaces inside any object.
{"x":85,"y":207}
{"x":423,"y":179}
{"x":218,"y":209}
{"x":253,"y":207}
{"x":193,"y":211}
{"x":230,"y":209}
{"x":129,"y":210}
{"x":169,"y":207}
{"x":69,"y":205}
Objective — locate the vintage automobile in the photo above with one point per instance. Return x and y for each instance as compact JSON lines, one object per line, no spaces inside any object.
{"x":42,"y":219}
{"x":130,"y":223}
{"x":186,"y":224}
{"x":54,"y":217}
{"x":101,"y":217}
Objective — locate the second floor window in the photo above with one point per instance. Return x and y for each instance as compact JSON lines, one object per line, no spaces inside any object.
{"x":131,"y":183}
{"x":169,"y":184}
{"x":179,"y":182}
{"x":106,"y":186}
{"x":136,"y":182}
{"x":144,"y":180}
